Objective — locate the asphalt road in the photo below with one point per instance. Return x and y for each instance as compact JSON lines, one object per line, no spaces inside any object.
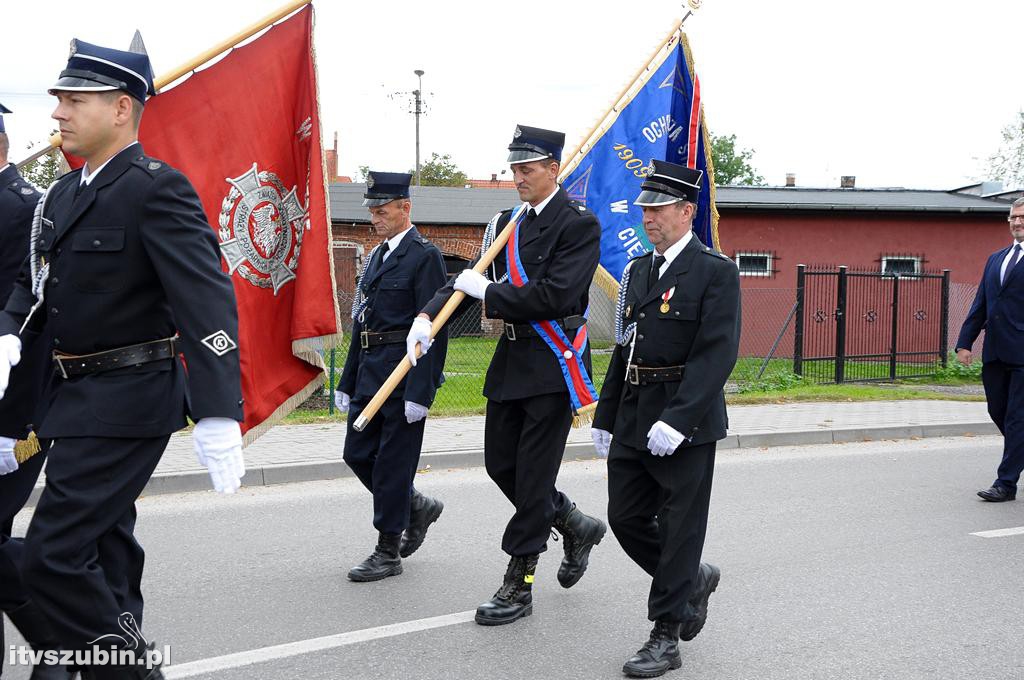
{"x":839,"y":561}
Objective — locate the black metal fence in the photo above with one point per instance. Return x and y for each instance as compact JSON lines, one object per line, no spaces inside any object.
{"x":867,"y":325}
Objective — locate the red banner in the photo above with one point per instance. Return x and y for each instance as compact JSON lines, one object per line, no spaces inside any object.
{"x":246,"y":132}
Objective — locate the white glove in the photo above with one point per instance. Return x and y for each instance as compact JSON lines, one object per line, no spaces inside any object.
{"x":602,"y":441}
{"x":341,"y":401}
{"x":414,"y":412}
{"x":663,"y":439}
{"x":419,"y":333}
{"x":218,"y":444}
{"x":10,"y":355}
{"x":8,"y":463}
{"x":472,"y":284}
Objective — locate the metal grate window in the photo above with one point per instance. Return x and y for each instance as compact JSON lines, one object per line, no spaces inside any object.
{"x":901,"y":265}
{"x":754,"y":264}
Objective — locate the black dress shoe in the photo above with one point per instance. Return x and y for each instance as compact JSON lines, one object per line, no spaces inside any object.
{"x":707,"y":582}
{"x":659,"y":655}
{"x":998,"y":494}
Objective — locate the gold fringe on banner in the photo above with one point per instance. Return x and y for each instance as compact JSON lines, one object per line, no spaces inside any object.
{"x":585,"y":416}
{"x":26,"y":448}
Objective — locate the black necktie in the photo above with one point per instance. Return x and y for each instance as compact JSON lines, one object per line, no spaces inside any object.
{"x":531,"y":215}
{"x":656,"y":267}
{"x":1012,"y":263}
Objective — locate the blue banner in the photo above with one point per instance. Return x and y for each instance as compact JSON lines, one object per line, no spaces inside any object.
{"x":664,"y":120}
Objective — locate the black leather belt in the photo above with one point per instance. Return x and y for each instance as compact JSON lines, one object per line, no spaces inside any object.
{"x":71,"y":365}
{"x":517,"y":331}
{"x":642,"y":375}
{"x":371,"y":339}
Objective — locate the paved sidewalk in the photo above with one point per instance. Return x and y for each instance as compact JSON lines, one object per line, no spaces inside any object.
{"x":303,"y":452}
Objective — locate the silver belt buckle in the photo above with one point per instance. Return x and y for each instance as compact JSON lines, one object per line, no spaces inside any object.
{"x":633,"y":374}
{"x":510,"y":331}
{"x":364,"y":340}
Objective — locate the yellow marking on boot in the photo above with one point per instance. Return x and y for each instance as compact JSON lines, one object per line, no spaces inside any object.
{"x":528,"y":578}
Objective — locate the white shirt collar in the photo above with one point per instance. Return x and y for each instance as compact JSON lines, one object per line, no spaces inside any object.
{"x":543,"y":204}
{"x":674,"y":250}
{"x":88,"y":176}
{"x":395,"y":240}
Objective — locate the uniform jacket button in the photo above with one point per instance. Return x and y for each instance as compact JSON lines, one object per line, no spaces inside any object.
{"x":54,"y":311}
{"x":54,"y":281}
{"x":96,"y":243}
{"x":640,"y":337}
{"x":56,"y":342}
{"x":642,"y":315}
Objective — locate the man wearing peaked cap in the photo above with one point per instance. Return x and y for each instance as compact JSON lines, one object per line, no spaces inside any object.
{"x":530,"y":406}
{"x":662,"y":410}
{"x":123,"y":239}
{"x":21,"y":454}
{"x":399,"y":276}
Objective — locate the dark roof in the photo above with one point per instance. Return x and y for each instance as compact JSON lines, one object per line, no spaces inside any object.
{"x":884,"y":200}
{"x":454,"y":205}
{"x":430,"y":205}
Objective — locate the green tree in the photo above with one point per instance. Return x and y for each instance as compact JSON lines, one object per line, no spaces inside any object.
{"x":732,"y":165}
{"x":1007,"y":164}
{"x":43,"y":171}
{"x":441,"y":171}
{"x":364,"y":173}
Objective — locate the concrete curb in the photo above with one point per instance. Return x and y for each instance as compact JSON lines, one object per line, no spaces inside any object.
{"x":195,"y":480}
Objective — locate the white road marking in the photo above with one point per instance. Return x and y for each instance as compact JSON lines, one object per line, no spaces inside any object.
{"x":1000,"y":533}
{"x":255,"y":656}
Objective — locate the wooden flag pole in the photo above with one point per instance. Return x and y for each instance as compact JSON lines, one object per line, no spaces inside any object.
{"x":196,"y":62}
{"x":436,"y":324}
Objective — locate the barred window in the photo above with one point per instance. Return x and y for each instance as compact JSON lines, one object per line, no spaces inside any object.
{"x":901,"y":265}
{"x":754,"y":264}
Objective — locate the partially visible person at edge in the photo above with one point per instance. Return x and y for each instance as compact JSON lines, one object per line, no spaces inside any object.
{"x":998,"y":308}
{"x":123,"y":240}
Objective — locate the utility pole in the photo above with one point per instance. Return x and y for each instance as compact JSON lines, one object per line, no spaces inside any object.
{"x":418,"y":93}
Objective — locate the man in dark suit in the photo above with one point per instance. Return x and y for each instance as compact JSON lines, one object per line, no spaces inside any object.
{"x":400,"y":276}
{"x":999,"y":309}
{"x":21,"y":453}
{"x":662,"y":410}
{"x":125,"y":274}
{"x":530,"y":405}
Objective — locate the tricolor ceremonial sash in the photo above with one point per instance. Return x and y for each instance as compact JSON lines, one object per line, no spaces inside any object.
{"x":569,"y":353}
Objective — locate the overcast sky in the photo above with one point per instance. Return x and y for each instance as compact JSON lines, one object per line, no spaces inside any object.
{"x":909,"y":93}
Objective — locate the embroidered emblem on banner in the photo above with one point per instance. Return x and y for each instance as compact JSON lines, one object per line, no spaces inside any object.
{"x":220,"y":343}
{"x":261,"y":227}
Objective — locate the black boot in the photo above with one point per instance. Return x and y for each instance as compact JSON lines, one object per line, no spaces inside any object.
{"x":707,"y":582}
{"x":580,"y":533}
{"x":115,"y":672}
{"x":424,"y":512}
{"x":514,"y":598}
{"x":382,"y":563}
{"x":36,"y":630}
{"x":659,"y":655}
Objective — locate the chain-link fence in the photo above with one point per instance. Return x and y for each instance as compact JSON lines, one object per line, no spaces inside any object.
{"x":765,"y":355}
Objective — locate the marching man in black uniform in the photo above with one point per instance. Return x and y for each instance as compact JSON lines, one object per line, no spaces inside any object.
{"x":662,"y":410}
{"x":21,"y":454}
{"x":400,"y":276}
{"x":124,"y":275}
{"x":539,"y":375}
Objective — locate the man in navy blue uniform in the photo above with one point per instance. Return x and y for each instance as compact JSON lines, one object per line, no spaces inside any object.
{"x":662,"y":410}
{"x":21,"y":454}
{"x":999,"y":309}
{"x":400,"y":276}
{"x":124,"y":276}
{"x":529,"y":407}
